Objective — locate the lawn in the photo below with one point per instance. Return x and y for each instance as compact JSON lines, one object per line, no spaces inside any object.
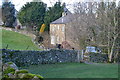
{"x":75,"y":70}
{"x":17,"y":41}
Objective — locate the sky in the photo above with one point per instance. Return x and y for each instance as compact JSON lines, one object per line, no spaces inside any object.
{"x":19,"y":3}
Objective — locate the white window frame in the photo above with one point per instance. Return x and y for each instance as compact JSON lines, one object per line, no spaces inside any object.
{"x":58,"y":27}
{"x":52,"y":39}
{"x":53,"y":28}
{"x":63,"y":28}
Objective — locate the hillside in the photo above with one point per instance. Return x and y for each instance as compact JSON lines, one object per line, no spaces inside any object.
{"x":17,"y":41}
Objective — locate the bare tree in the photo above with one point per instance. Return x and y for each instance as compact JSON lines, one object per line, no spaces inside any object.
{"x":108,"y":20}
{"x":97,"y":24}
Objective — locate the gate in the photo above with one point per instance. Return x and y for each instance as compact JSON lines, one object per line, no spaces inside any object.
{"x":82,"y":56}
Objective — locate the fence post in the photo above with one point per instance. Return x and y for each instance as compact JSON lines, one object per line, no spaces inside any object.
{"x":78,"y":56}
{"x":82,"y":56}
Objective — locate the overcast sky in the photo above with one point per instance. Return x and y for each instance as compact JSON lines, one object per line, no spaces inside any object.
{"x":19,"y":3}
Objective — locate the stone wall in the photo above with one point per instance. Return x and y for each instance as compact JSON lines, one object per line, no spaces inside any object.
{"x":102,"y":58}
{"x":98,"y":57}
{"x":23,"y":58}
{"x":26,"y":58}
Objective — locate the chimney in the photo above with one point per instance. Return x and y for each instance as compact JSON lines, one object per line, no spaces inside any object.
{"x":65,"y":10}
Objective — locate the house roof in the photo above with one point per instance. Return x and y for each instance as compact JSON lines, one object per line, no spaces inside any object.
{"x":64,"y":19}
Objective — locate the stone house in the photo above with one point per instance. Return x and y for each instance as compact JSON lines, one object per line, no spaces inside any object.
{"x":59,"y":29}
{"x":72,"y":29}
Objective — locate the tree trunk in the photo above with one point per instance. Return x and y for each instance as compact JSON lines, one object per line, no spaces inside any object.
{"x":112,"y":49}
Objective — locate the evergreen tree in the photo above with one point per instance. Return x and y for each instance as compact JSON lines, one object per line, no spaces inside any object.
{"x":32,"y":14}
{"x":53,"y":13}
{"x":8,"y":14}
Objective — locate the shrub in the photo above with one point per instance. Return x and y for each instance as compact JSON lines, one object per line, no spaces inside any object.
{"x":21,"y":71}
{"x":10,"y":62}
{"x":17,"y":74}
{"x":29,"y":75}
{"x":5,"y":76}
{"x":39,"y":76}
{"x":9,"y":70}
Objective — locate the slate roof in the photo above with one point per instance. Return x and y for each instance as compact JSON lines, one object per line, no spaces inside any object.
{"x":64,"y":19}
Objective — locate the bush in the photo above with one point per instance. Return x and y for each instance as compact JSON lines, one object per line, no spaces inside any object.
{"x":39,"y":76}
{"x":9,"y":70}
{"x":21,"y":71}
{"x":10,"y":62}
{"x":9,"y":73}
{"x":5,"y":76}
{"x":30,"y":76}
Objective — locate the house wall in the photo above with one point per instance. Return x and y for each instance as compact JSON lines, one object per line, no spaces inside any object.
{"x":60,"y":35}
{"x":57,"y":33}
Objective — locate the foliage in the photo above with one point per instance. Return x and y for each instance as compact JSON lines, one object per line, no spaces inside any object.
{"x":32,"y":14}
{"x":42,"y":28}
{"x":5,"y":76}
{"x":9,"y":70}
{"x":10,"y":62}
{"x":8,"y":14}
{"x":53,"y":13}
{"x":21,"y":71}
{"x":29,"y":75}
{"x":17,"y":74}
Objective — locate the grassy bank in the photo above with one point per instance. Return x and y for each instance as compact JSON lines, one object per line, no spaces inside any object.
{"x":17,"y":41}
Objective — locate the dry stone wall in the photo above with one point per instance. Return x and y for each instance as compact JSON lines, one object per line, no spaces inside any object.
{"x":98,"y":57}
{"x":24,"y":58}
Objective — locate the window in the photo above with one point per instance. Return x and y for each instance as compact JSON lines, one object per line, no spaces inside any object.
{"x":58,"y":27}
{"x":52,"y":39}
{"x":53,"y":28}
{"x":63,"y":28}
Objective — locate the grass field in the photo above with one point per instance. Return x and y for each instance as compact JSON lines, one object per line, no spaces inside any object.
{"x":17,"y":41}
{"x":75,"y":70}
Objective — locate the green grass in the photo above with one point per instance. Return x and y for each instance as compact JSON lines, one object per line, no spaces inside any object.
{"x":75,"y":70}
{"x":17,"y":41}
{"x":0,"y":38}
